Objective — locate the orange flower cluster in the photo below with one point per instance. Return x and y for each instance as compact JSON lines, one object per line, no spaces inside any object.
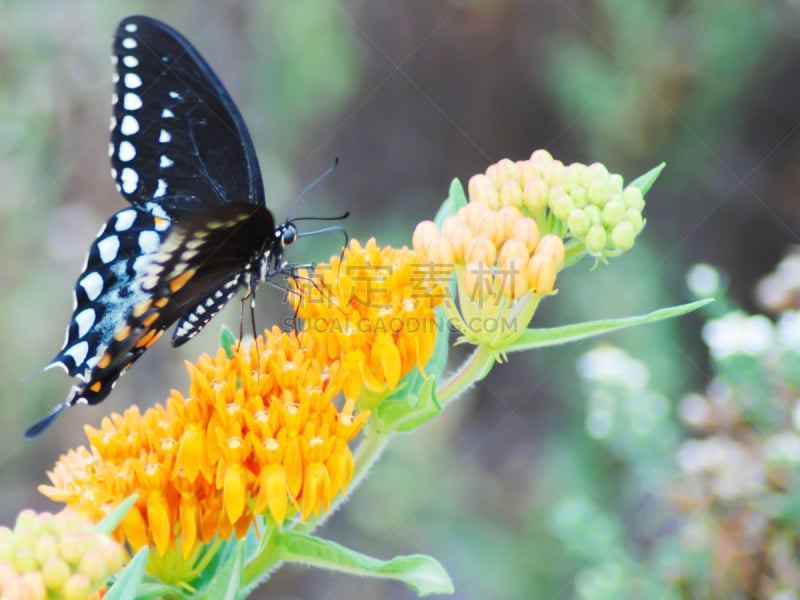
{"x":373,"y":310}
{"x":257,"y":432}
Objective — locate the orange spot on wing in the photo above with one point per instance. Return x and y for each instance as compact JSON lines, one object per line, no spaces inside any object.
{"x":96,"y":386}
{"x":123,"y":333}
{"x":181,"y":280}
{"x":149,"y":339}
{"x":104,"y":362}
{"x":142,"y":307}
{"x":161,"y":302}
{"x":151,"y":319}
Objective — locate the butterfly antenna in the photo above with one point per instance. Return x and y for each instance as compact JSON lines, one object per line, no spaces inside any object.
{"x":314,"y":184}
{"x":255,"y":337}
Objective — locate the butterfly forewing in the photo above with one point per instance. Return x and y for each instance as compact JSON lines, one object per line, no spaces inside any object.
{"x":105,"y":291}
{"x":178,"y":142}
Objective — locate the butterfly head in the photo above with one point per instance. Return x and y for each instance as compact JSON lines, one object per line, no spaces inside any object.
{"x":286,"y":234}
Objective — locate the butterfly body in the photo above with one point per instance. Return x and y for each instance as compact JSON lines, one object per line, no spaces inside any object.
{"x":198,"y":229}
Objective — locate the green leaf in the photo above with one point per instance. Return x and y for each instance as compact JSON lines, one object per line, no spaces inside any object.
{"x":405,"y":414}
{"x":646,"y":181}
{"x":423,"y":574}
{"x":156,"y":589}
{"x":114,"y":518}
{"x":542,"y":338}
{"x":228,"y":580}
{"x":227,"y":340}
{"x":455,"y":200}
{"x":126,"y":585}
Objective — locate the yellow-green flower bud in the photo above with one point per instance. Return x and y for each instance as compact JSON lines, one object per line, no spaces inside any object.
{"x":535,"y":195}
{"x":70,"y":548}
{"x":596,"y":240}
{"x":541,"y":157}
{"x":632,"y":196}
{"x":513,"y":278}
{"x":579,"y":196}
{"x":593,"y":214}
{"x":55,"y":573}
{"x":510,"y":194}
{"x":613,"y":212}
{"x":598,"y":193}
{"x":615,"y":183}
{"x":34,"y":586}
{"x":77,"y":587}
{"x":93,"y":566}
{"x":441,"y":252}
{"x":595,"y":173}
{"x":507,"y":171}
{"x":623,"y":236}
{"x":551,"y":171}
{"x":578,"y":222}
{"x":560,"y":203}
{"x":25,"y":560}
{"x":46,"y":547}
{"x":634,"y":217}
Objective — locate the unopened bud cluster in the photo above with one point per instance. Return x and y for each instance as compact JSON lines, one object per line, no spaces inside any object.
{"x":502,"y":250}
{"x":588,"y":203}
{"x":57,"y":556}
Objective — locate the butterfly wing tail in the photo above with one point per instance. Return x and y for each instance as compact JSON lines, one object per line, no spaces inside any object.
{"x":37,"y":428}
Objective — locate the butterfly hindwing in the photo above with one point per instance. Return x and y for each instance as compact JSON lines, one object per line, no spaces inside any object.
{"x":104,"y":293}
{"x":178,"y":142}
{"x":202,"y":258}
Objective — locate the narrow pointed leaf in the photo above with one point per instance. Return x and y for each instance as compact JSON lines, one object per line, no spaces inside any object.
{"x":646,"y":181}
{"x":114,"y":518}
{"x":125,"y":587}
{"x":228,"y":580}
{"x":542,"y":338}
{"x":423,"y":574}
{"x":455,"y":200}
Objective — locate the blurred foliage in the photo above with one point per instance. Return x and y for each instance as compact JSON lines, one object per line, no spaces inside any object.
{"x":513,"y":493}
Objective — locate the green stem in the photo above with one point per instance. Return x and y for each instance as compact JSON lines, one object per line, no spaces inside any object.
{"x":267,"y":558}
{"x":475,"y":368}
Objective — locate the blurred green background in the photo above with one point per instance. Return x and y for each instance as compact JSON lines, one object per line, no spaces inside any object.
{"x":409,"y":95}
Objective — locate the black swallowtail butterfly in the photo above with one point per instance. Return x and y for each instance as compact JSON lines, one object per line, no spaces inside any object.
{"x":198,"y":229}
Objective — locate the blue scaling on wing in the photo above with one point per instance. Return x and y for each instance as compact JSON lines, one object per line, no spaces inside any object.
{"x":105,"y":292}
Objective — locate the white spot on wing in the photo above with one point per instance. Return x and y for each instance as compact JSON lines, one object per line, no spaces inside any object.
{"x":165,"y":161}
{"x":78,"y":352}
{"x":84,"y":320}
{"x":131,"y":101}
{"x":125,"y":219}
{"x":161,"y":189}
{"x":129,"y":43}
{"x":111,"y":151}
{"x":112,"y":123}
{"x":126,"y":152}
{"x":92,"y":284}
{"x":175,"y":95}
{"x":108,"y":248}
{"x":130,"y":180}
{"x":167,"y":114}
{"x":149,"y":241}
{"x":131,"y":28}
{"x":164,"y":137}
{"x":130,"y":61}
{"x":132,"y":81}
{"x":129,"y":125}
